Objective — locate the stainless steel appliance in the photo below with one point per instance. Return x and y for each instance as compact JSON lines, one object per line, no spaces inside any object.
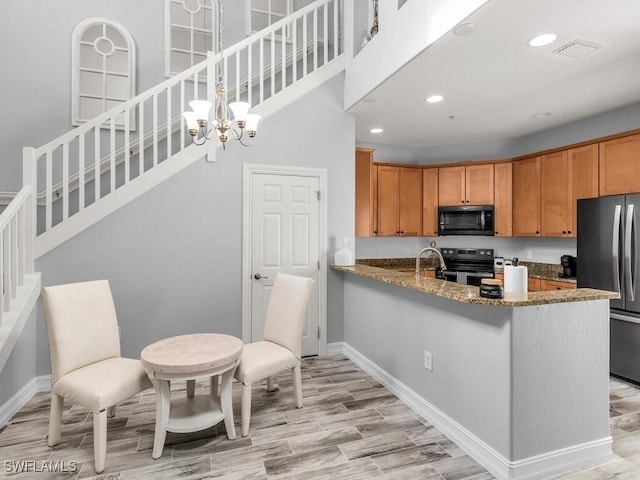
{"x":467,"y":265}
{"x":465,"y":220}
{"x":608,"y":260}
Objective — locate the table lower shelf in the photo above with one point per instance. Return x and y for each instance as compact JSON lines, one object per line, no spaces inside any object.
{"x":194,"y":414}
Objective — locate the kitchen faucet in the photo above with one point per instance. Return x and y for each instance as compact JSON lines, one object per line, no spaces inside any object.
{"x":443,"y":267}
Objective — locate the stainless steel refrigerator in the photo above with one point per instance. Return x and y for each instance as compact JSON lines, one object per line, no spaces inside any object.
{"x":608,"y":260}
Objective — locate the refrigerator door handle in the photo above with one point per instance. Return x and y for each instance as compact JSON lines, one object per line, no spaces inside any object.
{"x":616,"y":248}
{"x":624,"y":318}
{"x":628,"y":274}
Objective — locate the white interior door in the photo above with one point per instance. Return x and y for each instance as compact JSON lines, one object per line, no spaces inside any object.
{"x":285,"y":237}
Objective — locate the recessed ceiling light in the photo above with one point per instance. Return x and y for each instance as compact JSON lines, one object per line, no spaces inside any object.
{"x":541,"y":115}
{"x":463,"y":29}
{"x":376,"y":130}
{"x":434,"y":99}
{"x":542,"y":40}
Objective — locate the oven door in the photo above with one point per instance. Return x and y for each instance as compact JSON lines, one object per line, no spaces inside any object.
{"x":466,"y":278}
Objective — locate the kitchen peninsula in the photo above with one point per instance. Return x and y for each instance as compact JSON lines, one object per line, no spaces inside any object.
{"x":520,"y":383}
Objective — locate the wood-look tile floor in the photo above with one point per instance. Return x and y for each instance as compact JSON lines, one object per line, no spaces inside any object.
{"x":351,"y":427}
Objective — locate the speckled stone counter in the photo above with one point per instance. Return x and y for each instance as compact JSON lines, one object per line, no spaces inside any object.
{"x":469,"y":293}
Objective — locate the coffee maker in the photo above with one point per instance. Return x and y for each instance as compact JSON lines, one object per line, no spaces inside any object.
{"x":568,"y":263}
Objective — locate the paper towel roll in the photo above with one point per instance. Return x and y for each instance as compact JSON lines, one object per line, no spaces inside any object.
{"x":515,"y":279}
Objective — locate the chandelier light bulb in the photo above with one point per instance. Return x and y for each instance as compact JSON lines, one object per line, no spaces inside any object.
{"x":201,"y":109}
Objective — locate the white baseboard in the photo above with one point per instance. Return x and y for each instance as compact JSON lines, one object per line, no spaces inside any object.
{"x":20,"y":399}
{"x":335,"y":348}
{"x":532,"y":468}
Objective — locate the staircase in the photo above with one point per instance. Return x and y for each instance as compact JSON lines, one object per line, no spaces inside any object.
{"x":88,"y":173}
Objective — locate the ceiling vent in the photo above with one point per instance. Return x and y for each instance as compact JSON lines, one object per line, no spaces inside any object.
{"x":577,"y":49}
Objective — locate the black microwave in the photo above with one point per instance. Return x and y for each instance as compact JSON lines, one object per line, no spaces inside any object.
{"x":465,"y":220}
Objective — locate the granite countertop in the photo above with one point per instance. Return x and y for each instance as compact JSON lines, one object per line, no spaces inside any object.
{"x":469,"y":293}
{"x":544,"y":271}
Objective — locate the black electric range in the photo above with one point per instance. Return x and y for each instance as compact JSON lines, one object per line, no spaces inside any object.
{"x":467,"y":265}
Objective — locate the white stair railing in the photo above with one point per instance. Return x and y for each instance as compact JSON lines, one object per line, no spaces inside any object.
{"x":16,"y":258}
{"x":78,"y":169}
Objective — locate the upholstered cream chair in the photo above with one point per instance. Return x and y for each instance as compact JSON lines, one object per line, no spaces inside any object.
{"x":86,"y":366}
{"x":281,"y":346}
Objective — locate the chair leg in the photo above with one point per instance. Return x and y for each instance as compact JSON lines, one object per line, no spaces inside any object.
{"x":270,"y":385}
{"x":100,"y":439}
{"x":246,"y":408}
{"x":111,"y":412}
{"x":297,"y":385}
{"x":55,"y":419}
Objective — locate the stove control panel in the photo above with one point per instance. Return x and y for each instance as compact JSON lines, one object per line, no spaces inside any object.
{"x":468,"y":253}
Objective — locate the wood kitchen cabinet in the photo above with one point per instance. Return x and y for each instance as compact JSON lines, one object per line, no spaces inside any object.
{"x":546,"y":285}
{"x":466,"y":185}
{"x":583,"y":165}
{"x":365,"y":193}
{"x":565,"y":177}
{"x":399,"y":202}
{"x":554,"y":195}
{"x":619,"y":172}
{"x":503,"y":200}
{"x":526,"y":197}
{"x":430,"y":202}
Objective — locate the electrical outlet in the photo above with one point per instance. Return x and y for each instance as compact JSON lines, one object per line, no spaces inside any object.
{"x":428,"y":361}
{"x":529,"y":254}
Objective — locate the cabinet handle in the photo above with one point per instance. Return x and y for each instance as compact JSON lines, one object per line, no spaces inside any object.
{"x":461,"y":201}
{"x":564,"y":232}
{"x":537,"y":232}
{"x":569,"y":232}
{"x":557,"y":288}
{"x":497,"y":232}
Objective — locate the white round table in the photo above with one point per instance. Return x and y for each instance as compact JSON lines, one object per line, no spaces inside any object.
{"x":187,"y":357}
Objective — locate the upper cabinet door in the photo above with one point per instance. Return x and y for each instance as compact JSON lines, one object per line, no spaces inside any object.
{"x":619,"y":172}
{"x":582,"y":170}
{"x":479,"y":184}
{"x":365,"y":193}
{"x":503,"y":199}
{"x":554,"y":191}
{"x":410,"y":201}
{"x":526,"y":197}
{"x":388,"y":201}
{"x":430,"y":202}
{"x":451,"y":186}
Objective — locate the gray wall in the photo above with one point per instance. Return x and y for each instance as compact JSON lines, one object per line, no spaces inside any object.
{"x":20,"y":368}
{"x":173,"y":257}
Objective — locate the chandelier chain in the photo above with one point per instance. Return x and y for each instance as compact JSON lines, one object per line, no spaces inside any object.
{"x":220,"y":43}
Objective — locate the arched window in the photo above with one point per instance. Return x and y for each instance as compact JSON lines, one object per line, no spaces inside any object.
{"x":189,"y":33}
{"x":103,"y":69}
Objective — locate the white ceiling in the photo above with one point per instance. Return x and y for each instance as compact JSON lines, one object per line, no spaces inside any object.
{"x":494,"y":82}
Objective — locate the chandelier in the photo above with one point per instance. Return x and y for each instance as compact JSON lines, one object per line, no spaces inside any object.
{"x":198,"y":118}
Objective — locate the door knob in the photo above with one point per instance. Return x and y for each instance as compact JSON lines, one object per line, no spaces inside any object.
{"x":257,"y":276}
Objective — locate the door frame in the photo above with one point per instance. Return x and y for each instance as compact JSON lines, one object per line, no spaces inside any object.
{"x":249,"y":170}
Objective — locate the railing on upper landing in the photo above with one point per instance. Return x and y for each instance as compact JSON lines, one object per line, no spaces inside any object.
{"x":79,"y":170}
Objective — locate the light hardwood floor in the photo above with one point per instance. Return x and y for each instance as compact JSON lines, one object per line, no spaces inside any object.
{"x":351,"y":427}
